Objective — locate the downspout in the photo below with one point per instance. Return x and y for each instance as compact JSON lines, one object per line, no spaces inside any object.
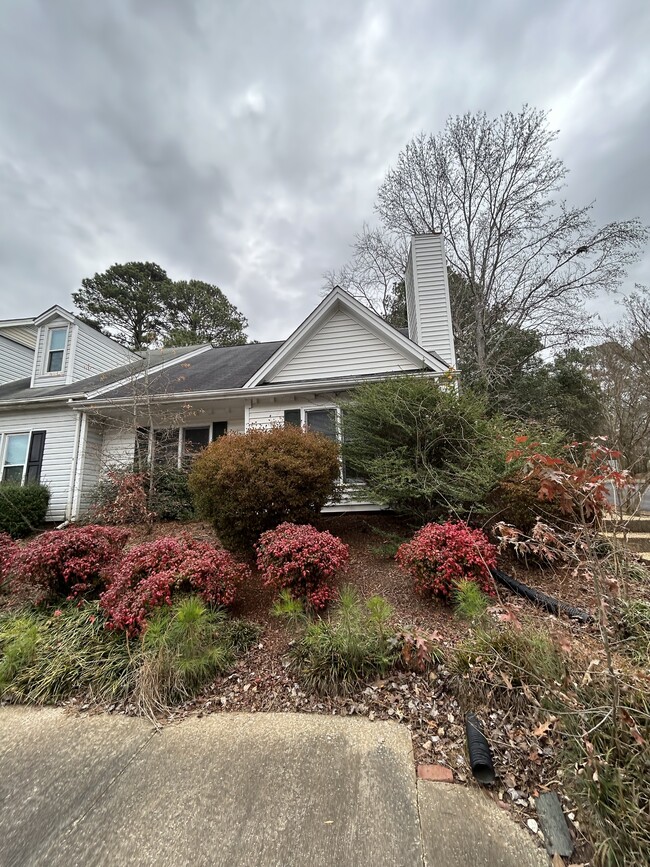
{"x":81,"y":453}
{"x":73,"y":472}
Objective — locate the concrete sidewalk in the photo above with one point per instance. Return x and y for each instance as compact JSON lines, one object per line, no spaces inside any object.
{"x":235,"y":789}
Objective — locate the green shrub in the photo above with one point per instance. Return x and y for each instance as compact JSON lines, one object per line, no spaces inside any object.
{"x":422,"y":448}
{"x":388,"y":544}
{"x":22,"y":508}
{"x":249,"y":483}
{"x":634,"y":629}
{"x":469,"y":602}
{"x":354,"y":644}
{"x":171,"y":499}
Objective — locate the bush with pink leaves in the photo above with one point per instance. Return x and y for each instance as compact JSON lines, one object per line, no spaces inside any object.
{"x":302,"y":559}
{"x":152,"y":572}
{"x":73,"y":562}
{"x":441,"y":555}
{"x":8,"y":551}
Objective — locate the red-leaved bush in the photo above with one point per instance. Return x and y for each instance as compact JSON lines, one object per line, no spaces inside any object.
{"x":8,"y":551}
{"x":441,"y":555}
{"x":122,"y":499}
{"x":302,"y":559}
{"x":151,"y":572}
{"x":69,"y":563}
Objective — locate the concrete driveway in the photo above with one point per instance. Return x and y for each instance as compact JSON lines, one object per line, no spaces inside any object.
{"x":235,"y":789}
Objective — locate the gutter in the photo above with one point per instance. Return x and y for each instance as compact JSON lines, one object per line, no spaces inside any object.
{"x":318,"y":385}
{"x":73,"y":472}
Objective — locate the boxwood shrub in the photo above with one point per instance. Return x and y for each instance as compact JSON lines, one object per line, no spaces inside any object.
{"x":22,"y":508}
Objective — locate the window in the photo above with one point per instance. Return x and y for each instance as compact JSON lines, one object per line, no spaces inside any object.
{"x":219,"y":429}
{"x":292,"y":417}
{"x":165,"y":447}
{"x":322,"y":421}
{"x":56,"y":349}
{"x":141,"y":450}
{"x":23,"y":457}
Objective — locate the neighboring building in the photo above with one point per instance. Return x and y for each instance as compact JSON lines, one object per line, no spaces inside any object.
{"x":74,"y":402}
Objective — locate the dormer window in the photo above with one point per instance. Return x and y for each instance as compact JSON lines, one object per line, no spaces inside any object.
{"x":56,"y":349}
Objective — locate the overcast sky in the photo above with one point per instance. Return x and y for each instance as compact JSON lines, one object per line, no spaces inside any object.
{"x":243,"y":142}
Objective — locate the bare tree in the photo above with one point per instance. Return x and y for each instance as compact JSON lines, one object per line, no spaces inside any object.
{"x":523,"y":257}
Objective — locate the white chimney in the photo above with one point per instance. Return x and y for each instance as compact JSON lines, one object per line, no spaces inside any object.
{"x":427,"y":297}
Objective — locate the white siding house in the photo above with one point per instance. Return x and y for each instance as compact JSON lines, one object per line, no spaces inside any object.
{"x":16,"y":360}
{"x":88,"y":398}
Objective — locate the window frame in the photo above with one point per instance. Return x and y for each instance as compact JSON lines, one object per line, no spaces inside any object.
{"x":5,"y":445}
{"x":338,"y":415}
{"x":49,"y":350}
{"x":181,"y":454}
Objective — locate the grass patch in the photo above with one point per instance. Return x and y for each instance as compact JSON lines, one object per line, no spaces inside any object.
{"x":46,"y":657}
{"x":354,"y":644}
{"x":634,"y":629}
{"x":388,"y":544}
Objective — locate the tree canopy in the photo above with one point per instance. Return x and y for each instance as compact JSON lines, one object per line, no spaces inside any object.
{"x":140,"y":306}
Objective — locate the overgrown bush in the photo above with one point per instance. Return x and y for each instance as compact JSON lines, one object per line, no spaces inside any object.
{"x":149,"y":574}
{"x":249,"y":483}
{"x":76,"y":561}
{"x":22,"y":508}
{"x":301,"y":559}
{"x":353,"y":645}
{"x":8,"y":551}
{"x":516,"y":501}
{"x":171,"y":499}
{"x":441,"y":555}
{"x":423,"y":448}
{"x":121,"y":499}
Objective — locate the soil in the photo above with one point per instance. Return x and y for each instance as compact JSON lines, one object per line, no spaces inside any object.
{"x":524,"y":755}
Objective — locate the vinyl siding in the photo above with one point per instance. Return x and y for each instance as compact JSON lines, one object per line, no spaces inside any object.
{"x":15,"y":360}
{"x":411,"y":308}
{"x":118,"y":447}
{"x":96,"y":353}
{"x":60,"y":426}
{"x":342,"y":347}
{"x":432,"y":296}
{"x":91,"y":465}
{"x":24,"y":334}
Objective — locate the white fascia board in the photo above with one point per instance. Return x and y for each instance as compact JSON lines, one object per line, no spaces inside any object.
{"x":338,"y":297}
{"x":270,"y":390}
{"x":53,"y":311}
{"x":148,"y":371}
{"x":12,"y":323}
{"x":28,"y":401}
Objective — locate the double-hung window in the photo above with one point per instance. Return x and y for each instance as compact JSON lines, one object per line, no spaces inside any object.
{"x":22,"y":457}
{"x":57,"y":338}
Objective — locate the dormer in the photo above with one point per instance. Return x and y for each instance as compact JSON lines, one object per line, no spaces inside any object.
{"x":68,"y":350}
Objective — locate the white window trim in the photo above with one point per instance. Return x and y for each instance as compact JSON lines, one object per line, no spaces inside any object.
{"x":181,"y":438}
{"x":3,"y":451}
{"x":48,"y":343}
{"x":339,"y":435}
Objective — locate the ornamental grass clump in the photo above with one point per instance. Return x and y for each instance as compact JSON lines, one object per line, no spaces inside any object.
{"x":151,"y":573}
{"x":441,"y":555}
{"x":301,"y":559}
{"x":69,"y":563}
{"x":334,"y":655}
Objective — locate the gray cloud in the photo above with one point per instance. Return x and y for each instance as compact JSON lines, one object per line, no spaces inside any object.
{"x":243,"y":143}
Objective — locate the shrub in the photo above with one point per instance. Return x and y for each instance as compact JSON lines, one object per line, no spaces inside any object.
{"x":249,"y":483}
{"x":441,"y":555}
{"x":301,"y":559}
{"x":422,"y":447}
{"x":68,"y":563}
{"x":150,"y":573}
{"x":8,"y":551}
{"x":171,"y":499}
{"x":545,"y":545}
{"x":121,"y":498}
{"x":633,"y":618}
{"x":516,"y":501}
{"x":22,"y":508}
{"x":334,"y":656}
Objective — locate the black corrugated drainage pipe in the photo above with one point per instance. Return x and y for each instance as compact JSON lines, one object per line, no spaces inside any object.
{"x":550,"y":603}
{"x":480,"y":757}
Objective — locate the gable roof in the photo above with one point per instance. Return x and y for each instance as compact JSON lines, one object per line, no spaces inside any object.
{"x":338,"y":299}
